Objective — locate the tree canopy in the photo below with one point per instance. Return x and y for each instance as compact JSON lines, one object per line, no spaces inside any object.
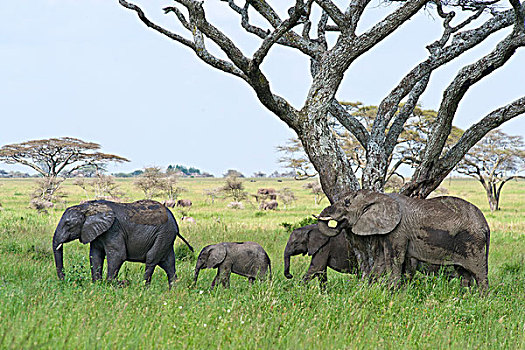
{"x":328,"y":33}
{"x":57,"y":156}
{"x":493,"y":161}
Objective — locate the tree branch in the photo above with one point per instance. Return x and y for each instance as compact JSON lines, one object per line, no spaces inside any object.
{"x":350,"y":123}
{"x":296,"y":13}
{"x":477,"y":131}
{"x":152,"y":25}
{"x":334,"y":13}
{"x":467,"y":77}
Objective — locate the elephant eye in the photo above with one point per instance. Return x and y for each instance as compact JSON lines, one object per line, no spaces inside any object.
{"x":347,"y":202}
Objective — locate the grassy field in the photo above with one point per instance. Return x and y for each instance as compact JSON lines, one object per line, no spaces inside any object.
{"x":39,"y":311}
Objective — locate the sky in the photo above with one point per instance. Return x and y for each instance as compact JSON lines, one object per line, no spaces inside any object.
{"x":91,"y":70}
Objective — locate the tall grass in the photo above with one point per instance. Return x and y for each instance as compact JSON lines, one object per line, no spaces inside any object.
{"x":39,"y":311}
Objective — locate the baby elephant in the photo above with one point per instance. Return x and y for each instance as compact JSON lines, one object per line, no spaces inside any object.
{"x":247,"y":259}
{"x":334,"y":252}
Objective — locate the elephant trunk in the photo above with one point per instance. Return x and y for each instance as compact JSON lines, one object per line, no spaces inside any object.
{"x":197,"y":270}
{"x":58,"y":251}
{"x":287,"y":255}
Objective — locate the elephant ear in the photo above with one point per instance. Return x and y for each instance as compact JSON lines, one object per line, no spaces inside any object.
{"x":380,"y":215}
{"x":217,"y":256}
{"x":316,"y":240}
{"x":98,"y":220}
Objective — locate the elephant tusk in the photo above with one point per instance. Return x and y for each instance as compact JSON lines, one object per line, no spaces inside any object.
{"x":324,"y":218}
{"x":59,"y":246}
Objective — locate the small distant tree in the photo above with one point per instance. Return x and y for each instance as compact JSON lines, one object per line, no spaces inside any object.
{"x":286,"y":196}
{"x":102,"y":186}
{"x":213,"y":193}
{"x":168,"y":185}
{"x":234,"y":188}
{"x":83,"y":183}
{"x":294,"y":158}
{"x":105,"y":186}
{"x":233,"y":173}
{"x":153,"y":182}
{"x":56,"y":159}
{"x":259,"y":174}
{"x":316,"y":189}
{"x":150,"y":181}
{"x":493,"y":161}
{"x":46,"y":193}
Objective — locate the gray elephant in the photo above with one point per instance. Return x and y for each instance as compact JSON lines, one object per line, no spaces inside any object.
{"x":391,"y":229}
{"x":143,"y":231}
{"x":270,"y":205}
{"x":247,"y":259}
{"x":170,"y":203}
{"x":184,"y":203}
{"x":333,"y":252}
{"x":266,"y":193}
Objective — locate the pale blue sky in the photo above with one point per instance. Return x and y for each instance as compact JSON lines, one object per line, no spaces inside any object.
{"x":90,"y":69}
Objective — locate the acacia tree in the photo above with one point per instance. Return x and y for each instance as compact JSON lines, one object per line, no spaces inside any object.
{"x":494,"y":161}
{"x":408,"y":150}
{"x":331,"y":59}
{"x":57,"y":158}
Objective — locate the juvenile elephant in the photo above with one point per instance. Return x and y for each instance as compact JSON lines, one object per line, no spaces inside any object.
{"x":333,"y":252}
{"x":143,"y":231}
{"x":270,"y":205}
{"x":390,"y":229}
{"x":247,"y":259}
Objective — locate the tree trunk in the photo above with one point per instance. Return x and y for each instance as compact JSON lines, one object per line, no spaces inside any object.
{"x":493,"y":201}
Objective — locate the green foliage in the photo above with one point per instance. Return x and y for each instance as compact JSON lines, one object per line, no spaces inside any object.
{"x":430,"y":312}
{"x":191,"y":171}
{"x":309,"y":220}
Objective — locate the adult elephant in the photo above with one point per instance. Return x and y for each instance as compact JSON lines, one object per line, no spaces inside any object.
{"x":390,"y":229}
{"x":142,"y":231}
{"x":333,"y":252}
{"x":184,"y":203}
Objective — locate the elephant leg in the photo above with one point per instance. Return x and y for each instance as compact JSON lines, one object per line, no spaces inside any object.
{"x":479,"y":272}
{"x":115,"y":261}
{"x":96,"y":261}
{"x":317,"y":265}
{"x":395,"y":253}
{"x":215,"y":280}
{"x":466,"y":277}
{"x":323,"y":278}
{"x":168,"y":265}
{"x":224,"y":275}
{"x":148,"y":272}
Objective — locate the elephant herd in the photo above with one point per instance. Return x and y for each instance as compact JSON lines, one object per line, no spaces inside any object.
{"x":369,"y":233}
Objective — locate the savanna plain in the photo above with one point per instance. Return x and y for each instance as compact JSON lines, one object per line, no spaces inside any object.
{"x":429,"y":312}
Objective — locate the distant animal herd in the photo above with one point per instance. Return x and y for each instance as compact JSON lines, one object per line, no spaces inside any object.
{"x":367,"y":233}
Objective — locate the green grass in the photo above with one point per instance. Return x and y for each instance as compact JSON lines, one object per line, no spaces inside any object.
{"x":39,"y":311}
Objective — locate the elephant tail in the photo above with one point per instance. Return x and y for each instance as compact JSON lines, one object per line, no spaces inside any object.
{"x":269,"y":267}
{"x":487,"y":252}
{"x":185,"y":241}
{"x":178,"y":233}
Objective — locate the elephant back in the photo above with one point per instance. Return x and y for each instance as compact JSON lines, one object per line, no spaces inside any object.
{"x":146,"y":212}
{"x":462,"y":214}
